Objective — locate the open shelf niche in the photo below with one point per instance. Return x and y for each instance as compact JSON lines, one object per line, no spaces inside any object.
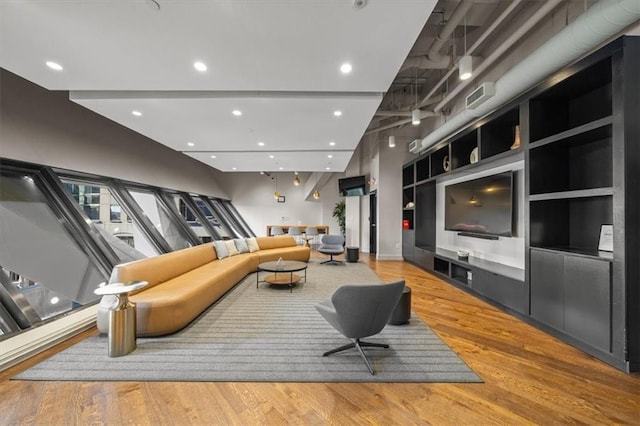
{"x":499,"y":135}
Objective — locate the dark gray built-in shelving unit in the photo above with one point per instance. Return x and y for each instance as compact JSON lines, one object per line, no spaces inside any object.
{"x":580,"y":140}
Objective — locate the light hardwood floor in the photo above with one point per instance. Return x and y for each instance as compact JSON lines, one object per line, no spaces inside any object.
{"x":529,"y":378}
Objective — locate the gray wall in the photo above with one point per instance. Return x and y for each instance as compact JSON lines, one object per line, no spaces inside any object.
{"x":44,"y":127}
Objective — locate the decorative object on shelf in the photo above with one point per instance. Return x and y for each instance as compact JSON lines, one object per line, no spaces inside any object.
{"x":463,"y":254}
{"x":516,"y":139}
{"x":473,"y":157}
{"x":606,"y":238}
{"x":446,"y":164}
{"x":410,"y":205}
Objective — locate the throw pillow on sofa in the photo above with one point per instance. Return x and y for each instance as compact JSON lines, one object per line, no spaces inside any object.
{"x":241,"y":245}
{"x":221,"y":249}
{"x":252,"y":243}
{"x":231,"y":247}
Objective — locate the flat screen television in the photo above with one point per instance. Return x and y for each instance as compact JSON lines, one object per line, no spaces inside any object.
{"x":352,"y":186}
{"x":481,"y":207}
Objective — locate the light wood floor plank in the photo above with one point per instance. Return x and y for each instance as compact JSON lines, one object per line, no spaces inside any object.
{"x":529,"y":378}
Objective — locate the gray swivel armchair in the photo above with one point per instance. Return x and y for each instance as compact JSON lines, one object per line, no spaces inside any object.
{"x":332,"y":245}
{"x":359,"y":311}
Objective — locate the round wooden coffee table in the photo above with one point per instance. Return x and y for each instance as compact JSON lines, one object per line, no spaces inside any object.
{"x":282,"y":272}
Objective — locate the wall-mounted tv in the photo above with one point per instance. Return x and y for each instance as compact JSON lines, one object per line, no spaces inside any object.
{"x":481,"y":207}
{"x":352,"y":186}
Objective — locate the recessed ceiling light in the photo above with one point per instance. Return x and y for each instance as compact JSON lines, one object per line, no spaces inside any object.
{"x":234,"y":168}
{"x":327,"y":168}
{"x":260,"y":143}
{"x":54,"y":65}
{"x":272,"y":156}
{"x":191,"y":144}
{"x":236,"y":112}
{"x":281,"y":168}
{"x":200,"y":66}
{"x":136,"y":113}
{"x":329,"y":156}
{"x":54,"y":300}
{"x":332,"y":143}
{"x":346,"y":68}
{"x":337,"y":113}
{"x":213,"y":156}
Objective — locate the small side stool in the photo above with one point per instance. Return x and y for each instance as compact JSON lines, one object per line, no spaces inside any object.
{"x":402,"y":312}
{"x":122,"y":317}
{"x":352,"y":254}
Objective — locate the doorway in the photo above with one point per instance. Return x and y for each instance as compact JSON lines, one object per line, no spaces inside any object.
{"x":373,"y":214}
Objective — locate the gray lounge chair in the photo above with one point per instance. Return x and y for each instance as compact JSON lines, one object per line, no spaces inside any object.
{"x":332,"y":245}
{"x":359,"y":311}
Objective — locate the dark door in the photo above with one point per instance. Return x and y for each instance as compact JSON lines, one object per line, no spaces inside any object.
{"x":373,"y":241}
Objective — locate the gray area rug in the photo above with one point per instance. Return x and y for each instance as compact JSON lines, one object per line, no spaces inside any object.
{"x":266,"y":334}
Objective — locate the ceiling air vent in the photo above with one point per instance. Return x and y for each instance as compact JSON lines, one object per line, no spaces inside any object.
{"x":481,"y":94}
{"x":415,"y":146}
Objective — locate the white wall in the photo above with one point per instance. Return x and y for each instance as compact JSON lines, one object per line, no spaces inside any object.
{"x":389,"y":224}
{"x":508,"y":251}
{"x":252,"y":195}
{"x":44,"y":127}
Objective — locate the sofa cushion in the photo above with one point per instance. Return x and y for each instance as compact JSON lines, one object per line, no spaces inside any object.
{"x":231,"y":247}
{"x":221,"y":249}
{"x":241,"y":245}
{"x":252,"y":244}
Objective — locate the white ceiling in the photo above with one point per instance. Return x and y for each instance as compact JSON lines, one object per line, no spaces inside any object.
{"x":277,"y":61}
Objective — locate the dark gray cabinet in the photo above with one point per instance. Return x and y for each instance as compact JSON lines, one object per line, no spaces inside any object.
{"x":507,"y":291}
{"x":408,"y":245}
{"x":572,"y":294}
{"x":547,"y":289}
{"x":424,"y":258}
{"x":587,"y":301}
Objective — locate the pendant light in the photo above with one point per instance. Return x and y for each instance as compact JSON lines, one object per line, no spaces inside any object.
{"x":415,"y":114}
{"x":392,"y":141}
{"x":465,"y":65}
{"x":296,"y":180}
{"x":276,"y":194}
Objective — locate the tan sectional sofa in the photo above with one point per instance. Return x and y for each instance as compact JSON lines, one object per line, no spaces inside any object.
{"x":182,"y":284}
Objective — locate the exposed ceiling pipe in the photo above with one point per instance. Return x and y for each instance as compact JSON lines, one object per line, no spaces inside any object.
{"x":423,"y":114}
{"x":434,"y":59}
{"x":502,"y":49}
{"x":505,"y":13}
{"x":595,"y":26}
